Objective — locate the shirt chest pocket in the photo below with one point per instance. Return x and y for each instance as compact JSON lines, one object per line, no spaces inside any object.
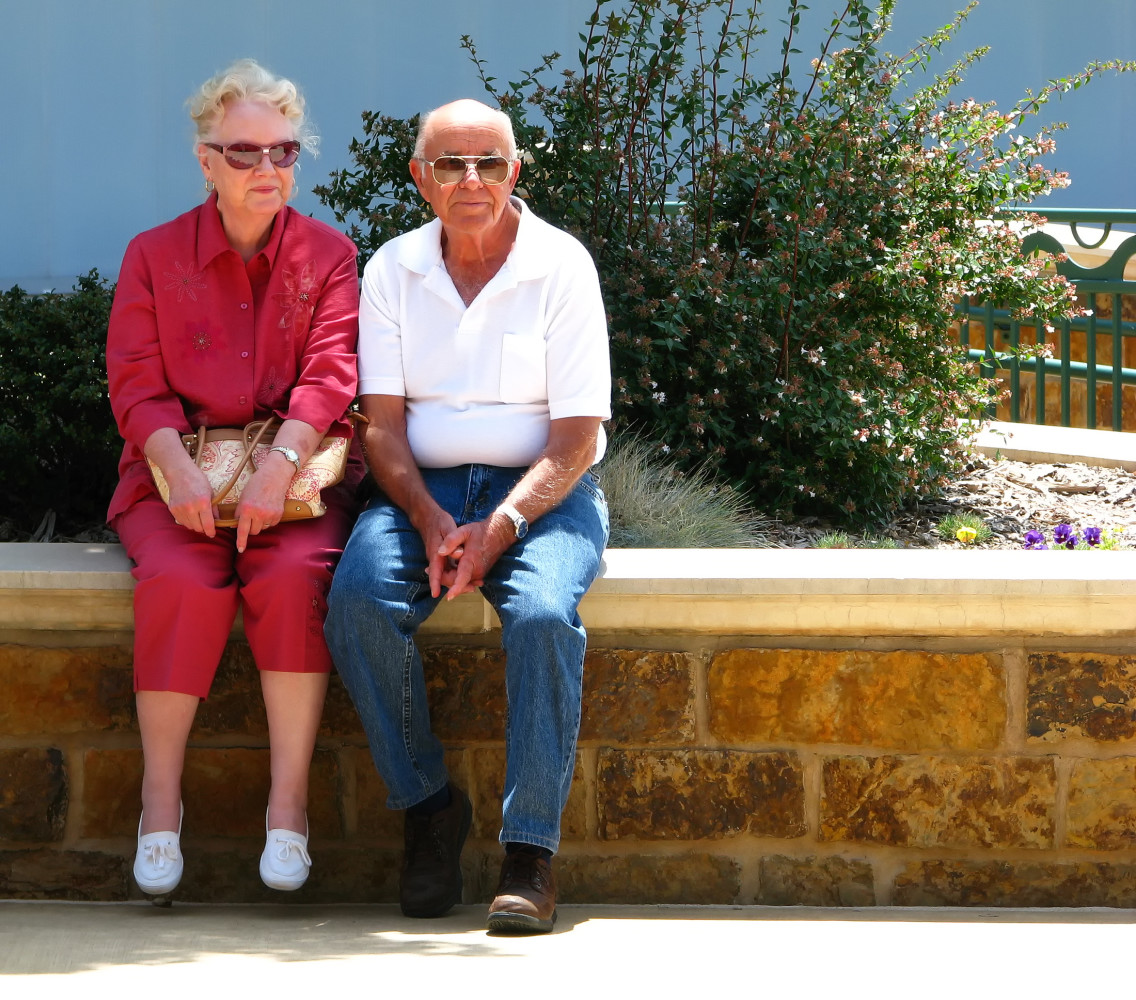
{"x":524,"y":378}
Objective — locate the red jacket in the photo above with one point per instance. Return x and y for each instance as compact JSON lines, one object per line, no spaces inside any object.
{"x":196,"y":336}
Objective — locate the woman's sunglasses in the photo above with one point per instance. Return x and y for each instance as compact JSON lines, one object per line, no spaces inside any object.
{"x":452,"y":169}
{"x":246,"y":155}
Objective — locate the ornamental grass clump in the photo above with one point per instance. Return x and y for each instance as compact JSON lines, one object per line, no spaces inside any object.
{"x":835,"y":540}
{"x":781,"y":244}
{"x":966,"y":528}
{"x":654,"y":504}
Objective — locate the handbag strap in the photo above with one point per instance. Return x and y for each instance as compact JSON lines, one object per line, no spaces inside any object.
{"x":250,"y":446}
{"x":199,"y":446}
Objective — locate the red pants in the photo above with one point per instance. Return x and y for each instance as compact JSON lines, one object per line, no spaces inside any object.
{"x":190,"y":587}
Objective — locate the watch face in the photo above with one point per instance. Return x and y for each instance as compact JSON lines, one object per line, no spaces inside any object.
{"x":521,"y":526}
{"x":289,"y":453}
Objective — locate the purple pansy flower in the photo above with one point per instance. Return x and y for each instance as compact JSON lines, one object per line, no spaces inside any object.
{"x":1093,"y":536}
{"x":1063,"y":534}
{"x":1034,"y":540}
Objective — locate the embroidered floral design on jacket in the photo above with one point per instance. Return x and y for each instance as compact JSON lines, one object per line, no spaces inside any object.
{"x":298,"y":300}
{"x":202,"y":341}
{"x":273,"y":388}
{"x":186,"y":281}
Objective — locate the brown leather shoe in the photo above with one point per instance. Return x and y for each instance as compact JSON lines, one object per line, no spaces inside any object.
{"x":526,"y":896}
{"x":430,"y":882}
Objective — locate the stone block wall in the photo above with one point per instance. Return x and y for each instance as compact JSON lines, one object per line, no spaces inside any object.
{"x":716,"y":772}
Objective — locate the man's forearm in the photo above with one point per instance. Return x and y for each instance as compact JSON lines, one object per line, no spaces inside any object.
{"x":570,"y":452}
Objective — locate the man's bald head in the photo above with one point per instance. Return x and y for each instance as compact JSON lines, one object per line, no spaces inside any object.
{"x":469,"y":112}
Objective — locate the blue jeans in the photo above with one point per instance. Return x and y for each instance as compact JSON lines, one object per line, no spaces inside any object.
{"x":380,"y":595}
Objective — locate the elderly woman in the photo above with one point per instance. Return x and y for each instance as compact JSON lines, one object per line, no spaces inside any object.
{"x":238,"y":310}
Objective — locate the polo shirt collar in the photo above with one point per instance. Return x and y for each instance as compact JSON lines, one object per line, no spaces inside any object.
{"x":212,"y":241}
{"x":529,"y":258}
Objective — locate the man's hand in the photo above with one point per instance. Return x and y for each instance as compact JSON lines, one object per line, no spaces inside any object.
{"x":443,"y":565}
{"x":472,"y":550}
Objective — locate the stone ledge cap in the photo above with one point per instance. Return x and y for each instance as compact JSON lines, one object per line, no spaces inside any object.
{"x":744,"y":572}
{"x":64,"y":566}
{"x":706,"y":572}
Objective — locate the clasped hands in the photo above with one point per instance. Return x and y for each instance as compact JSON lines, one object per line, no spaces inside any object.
{"x":462,"y":556}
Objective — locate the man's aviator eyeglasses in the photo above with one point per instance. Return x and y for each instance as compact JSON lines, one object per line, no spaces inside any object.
{"x":246,"y":155}
{"x":452,"y":169}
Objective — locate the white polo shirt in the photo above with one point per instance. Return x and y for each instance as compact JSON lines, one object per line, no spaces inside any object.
{"x":482,"y":382}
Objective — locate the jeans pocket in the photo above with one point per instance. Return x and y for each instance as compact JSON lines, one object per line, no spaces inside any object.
{"x":590,"y":483}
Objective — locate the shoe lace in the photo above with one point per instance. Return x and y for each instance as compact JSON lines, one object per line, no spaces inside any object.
{"x":157,"y":854}
{"x":523,"y":869}
{"x":285,"y":846}
{"x":426,"y":841}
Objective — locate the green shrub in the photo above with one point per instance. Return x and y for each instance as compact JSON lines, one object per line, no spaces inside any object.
{"x":59,"y":446}
{"x":377,"y":201}
{"x":788,"y":326}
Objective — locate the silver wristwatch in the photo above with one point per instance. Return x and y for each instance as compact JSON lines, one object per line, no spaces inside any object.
{"x":288,"y":453}
{"x":520,"y":525}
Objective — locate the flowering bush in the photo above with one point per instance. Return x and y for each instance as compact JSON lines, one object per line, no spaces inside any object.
{"x":780,"y":260}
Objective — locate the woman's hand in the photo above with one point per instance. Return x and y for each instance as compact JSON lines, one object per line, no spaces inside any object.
{"x":262,"y":500}
{"x":191,"y":497}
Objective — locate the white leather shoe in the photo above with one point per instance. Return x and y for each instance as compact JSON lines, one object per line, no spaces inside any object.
{"x":158,"y":863}
{"x":284,"y":863}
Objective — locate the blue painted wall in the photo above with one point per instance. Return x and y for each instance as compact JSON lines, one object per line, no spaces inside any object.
{"x":1032,"y":41}
{"x":98,"y":142}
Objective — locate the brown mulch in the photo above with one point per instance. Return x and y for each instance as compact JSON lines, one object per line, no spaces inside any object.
{"x":1010,"y":497}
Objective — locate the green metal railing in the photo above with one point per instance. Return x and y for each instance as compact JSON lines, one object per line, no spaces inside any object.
{"x":1106,"y":279}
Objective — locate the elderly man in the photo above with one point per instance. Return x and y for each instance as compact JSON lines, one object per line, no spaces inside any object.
{"x":484,"y":373}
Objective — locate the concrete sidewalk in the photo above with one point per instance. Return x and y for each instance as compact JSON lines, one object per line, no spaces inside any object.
{"x":50,"y":950}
